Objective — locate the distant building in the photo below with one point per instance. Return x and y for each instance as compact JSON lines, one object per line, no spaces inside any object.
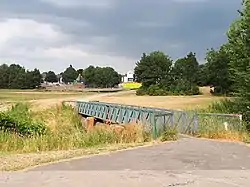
{"x":128,"y":77}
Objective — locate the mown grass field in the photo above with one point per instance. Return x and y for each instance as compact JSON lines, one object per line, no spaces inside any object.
{"x":17,"y":95}
{"x":168,"y":102}
{"x":39,"y":99}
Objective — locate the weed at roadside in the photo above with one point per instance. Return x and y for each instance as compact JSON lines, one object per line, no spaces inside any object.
{"x":169,"y":134}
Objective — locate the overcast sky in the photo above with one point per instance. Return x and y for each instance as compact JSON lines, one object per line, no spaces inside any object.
{"x":52,"y":34}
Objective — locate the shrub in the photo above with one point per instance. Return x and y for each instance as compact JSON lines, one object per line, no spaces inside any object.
{"x":232,"y":106}
{"x":179,"y":89}
{"x":155,"y":90}
{"x":183,"y":87}
{"x":170,"y":134}
{"x":19,"y":120}
{"x":141,"y":91}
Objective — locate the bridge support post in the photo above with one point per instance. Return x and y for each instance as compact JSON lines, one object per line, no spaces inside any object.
{"x":90,"y":122}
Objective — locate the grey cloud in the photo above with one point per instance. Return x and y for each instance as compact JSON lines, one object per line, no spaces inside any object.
{"x":132,"y":27}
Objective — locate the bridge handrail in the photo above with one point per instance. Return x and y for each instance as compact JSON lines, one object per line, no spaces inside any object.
{"x":131,"y":106}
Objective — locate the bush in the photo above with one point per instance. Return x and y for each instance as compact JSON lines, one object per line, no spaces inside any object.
{"x":183,"y":87}
{"x":141,"y":91}
{"x":233,"y":106}
{"x":179,"y":89}
{"x":155,"y":90}
{"x":170,"y":134}
{"x":18,"y":120}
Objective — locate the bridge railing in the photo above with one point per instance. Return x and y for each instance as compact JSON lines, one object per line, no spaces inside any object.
{"x":124,"y":114}
{"x":157,"y":119}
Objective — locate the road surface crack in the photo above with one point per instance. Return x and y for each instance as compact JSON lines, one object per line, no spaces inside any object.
{"x":181,"y":184}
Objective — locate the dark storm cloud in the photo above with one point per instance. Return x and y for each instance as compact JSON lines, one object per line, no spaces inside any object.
{"x":129,"y":28}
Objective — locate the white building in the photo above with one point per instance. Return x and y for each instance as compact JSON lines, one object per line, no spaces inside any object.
{"x":128,"y":77}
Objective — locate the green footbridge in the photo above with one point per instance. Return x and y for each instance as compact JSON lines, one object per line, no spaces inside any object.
{"x":154,"y":119}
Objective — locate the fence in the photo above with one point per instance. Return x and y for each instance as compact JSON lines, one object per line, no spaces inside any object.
{"x":193,"y":122}
{"x":157,"y":120}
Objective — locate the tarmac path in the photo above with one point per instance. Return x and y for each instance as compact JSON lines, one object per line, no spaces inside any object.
{"x":188,"y":162}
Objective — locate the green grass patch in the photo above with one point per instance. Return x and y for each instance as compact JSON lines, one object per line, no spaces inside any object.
{"x":229,"y":127}
{"x":18,"y":121}
{"x":170,"y":134}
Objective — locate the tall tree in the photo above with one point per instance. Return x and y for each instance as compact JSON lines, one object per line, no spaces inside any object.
{"x":89,"y":76}
{"x":101,"y":77}
{"x":238,"y":48}
{"x":4,"y":76}
{"x":51,"y":77}
{"x":185,"y":73}
{"x":33,"y":79}
{"x":154,"y":69}
{"x":187,"y":68}
{"x":218,"y":71}
{"x":69,"y":75}
{"x":203,"y":75}
{"x":16,"y":77}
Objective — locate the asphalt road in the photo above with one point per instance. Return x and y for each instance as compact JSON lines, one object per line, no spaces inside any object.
{"x":188,"y":162}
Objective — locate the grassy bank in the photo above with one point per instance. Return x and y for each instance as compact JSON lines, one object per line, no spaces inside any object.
{"x":58,"y":133}
{"x":58,"y":128}
{"x":227,"y":127}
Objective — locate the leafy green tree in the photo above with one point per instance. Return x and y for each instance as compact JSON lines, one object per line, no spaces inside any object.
{"x":16,"y":77}
{"x":51,"y":77}
{"x":154,"y":69}
{"x":203,"y":75}
{"x":4,"y":76}
{"x":140,"y":68}
{"x":187,"y":69}
{"x":218,"y":71}
{"x":101,"y":77}
{"x":111,"y":77}
{"x":89,"y":76}
{"x":69,"y":75}
{"x":33,"y":79}
{"x":185,"y":73}
{"x":238,"y":48}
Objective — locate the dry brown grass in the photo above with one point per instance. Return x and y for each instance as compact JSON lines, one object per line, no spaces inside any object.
{"x":168,"y":102}
{"x":233,"y":136}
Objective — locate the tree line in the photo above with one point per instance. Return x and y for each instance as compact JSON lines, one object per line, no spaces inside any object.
{"x":15,"y":76}
{"x":160,"y":76}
